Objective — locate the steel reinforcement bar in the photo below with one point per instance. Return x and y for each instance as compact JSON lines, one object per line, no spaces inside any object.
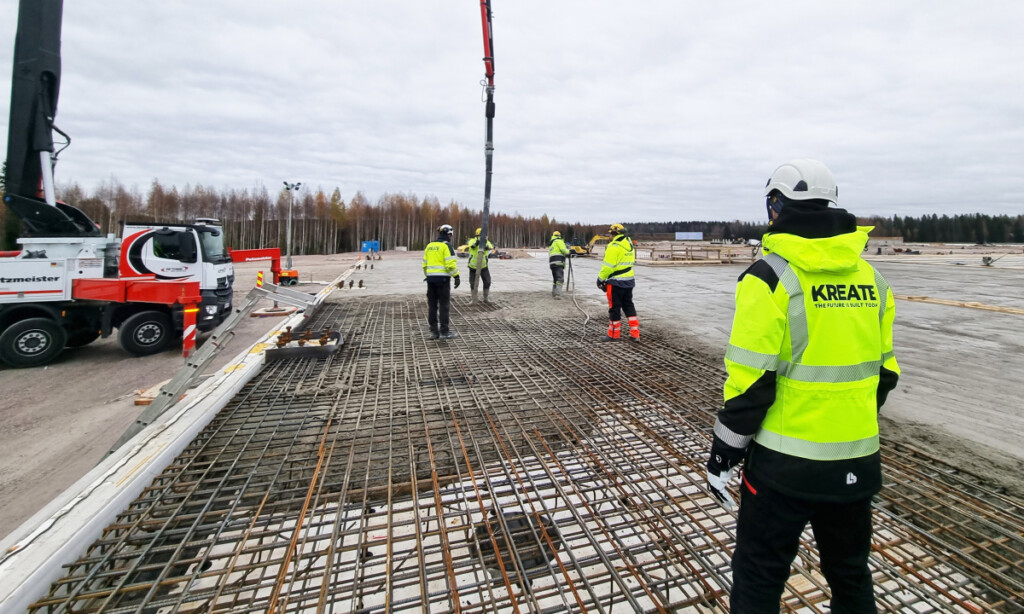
{"x":516,"y":468}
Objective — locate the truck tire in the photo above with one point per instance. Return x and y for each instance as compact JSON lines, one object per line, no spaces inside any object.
{"x":31,"y":343}
{"x":145,"y":333}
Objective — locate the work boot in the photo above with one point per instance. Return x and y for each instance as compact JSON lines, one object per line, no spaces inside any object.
{"x":607,"y":338}
{"x":553,"y":291}
{"x":449,"y":335}
{"x":434,"y":334}
{"x":486,"y":292}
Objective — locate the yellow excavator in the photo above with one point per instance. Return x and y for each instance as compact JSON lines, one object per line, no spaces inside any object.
{"x":579,"y":249}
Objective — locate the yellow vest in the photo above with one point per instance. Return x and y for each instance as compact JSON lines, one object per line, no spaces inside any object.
{"x":836,"y":327}
{"x":474,"y":249}
{"x":619,"y":258}
{"x":439,"y":261}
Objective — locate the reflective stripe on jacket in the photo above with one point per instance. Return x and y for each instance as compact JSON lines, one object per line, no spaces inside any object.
{"x":439,"y":261}
{"x":557,"y":253}
{"x":619,"y":258}
{"x":474,"y":248}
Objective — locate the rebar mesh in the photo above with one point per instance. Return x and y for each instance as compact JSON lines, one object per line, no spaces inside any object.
{"x":517,"y":468}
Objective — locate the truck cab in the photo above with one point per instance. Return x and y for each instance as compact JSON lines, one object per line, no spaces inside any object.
{"x":183,"y":252}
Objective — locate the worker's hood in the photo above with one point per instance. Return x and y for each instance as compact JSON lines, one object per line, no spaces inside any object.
{"x":816,"y":238}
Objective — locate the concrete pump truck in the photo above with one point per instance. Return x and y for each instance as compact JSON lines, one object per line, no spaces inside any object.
{"x":69,"y":284}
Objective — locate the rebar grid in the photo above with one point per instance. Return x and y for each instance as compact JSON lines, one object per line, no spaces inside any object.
{"x":514,"y":469}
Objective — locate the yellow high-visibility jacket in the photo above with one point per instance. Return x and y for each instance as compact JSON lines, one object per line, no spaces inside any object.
{"x":619,"y":258}
{"x":474,"y":249}
{"x":557,"y":252}
{"x":439,"y":261}
{"x":810,"y":362}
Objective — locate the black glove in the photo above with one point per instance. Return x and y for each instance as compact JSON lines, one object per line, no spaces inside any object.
{"x":601,"y":285}
{"x":457,"y":282}
{"x":722,"y":466}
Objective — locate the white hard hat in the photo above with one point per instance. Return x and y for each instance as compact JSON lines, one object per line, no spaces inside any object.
{"x":445,"y":229}
{"x":804,"y":179}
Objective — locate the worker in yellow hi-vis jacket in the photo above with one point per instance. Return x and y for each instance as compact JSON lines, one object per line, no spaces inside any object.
{"x":439,"y":266}
{"x":617,"y":280}
{"x":474,"y":255}
{"x":558,"y":251}
{"x":810,"y":362}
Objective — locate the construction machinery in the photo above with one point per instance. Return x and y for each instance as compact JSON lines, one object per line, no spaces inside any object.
{"x":578,"y":248}
{"x":68,"y":284}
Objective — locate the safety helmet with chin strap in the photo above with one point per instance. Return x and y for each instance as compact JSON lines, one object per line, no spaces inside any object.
{"x":800,"y":179}
{"x":445,"y":229}
{"x":477,"y":232}
{"x":556,"y":235}
{"x":615,"y":229}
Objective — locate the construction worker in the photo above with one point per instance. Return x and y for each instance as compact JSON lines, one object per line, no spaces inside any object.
{"x":485,"y":273}
{"x":810,"y":362}
{"x":617,"y":281}
{"x":439,"y":266}
{"x":557,"y":253}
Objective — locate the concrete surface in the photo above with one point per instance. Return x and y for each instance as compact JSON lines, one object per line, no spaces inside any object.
{"x":958,"y":398}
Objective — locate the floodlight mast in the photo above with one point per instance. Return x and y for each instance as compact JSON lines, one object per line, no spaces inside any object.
{"x":292,"y":188}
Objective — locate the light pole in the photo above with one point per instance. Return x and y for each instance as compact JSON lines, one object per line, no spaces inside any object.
{"x":292,"y":188}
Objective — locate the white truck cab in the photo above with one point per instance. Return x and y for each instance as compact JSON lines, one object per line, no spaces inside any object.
{"x":182,"y":252}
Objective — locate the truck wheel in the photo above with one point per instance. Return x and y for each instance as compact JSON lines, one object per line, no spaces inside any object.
{"x":81,"y":337}
{"x":145,"y":333}
{"x":31,"y":343}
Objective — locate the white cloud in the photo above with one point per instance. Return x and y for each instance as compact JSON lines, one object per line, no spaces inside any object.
{"x":667,"y":110}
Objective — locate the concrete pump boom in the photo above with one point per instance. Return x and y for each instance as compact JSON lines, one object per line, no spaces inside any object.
{"x":35,"y":87}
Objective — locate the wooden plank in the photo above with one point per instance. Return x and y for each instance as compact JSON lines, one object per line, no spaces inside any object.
{"x":145,"y":397}
{"x":969,"y":304}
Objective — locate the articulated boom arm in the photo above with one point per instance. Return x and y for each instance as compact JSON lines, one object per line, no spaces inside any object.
{"x":34,"y":91}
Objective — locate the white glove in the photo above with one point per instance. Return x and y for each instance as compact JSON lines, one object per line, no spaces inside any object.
{"x":717,"y":484}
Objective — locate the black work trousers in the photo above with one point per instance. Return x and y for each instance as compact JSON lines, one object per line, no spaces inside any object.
{"x":557,"y":274}
{"x":620,"y":300}
{"x":485,"y":276}
{"x":439,"y":296}
{"x":768,"y":535}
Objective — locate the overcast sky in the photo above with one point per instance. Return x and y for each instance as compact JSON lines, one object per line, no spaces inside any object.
{"x":606,"y":110}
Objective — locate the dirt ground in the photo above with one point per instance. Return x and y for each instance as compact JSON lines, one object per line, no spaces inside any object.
{"x":958,"y":398}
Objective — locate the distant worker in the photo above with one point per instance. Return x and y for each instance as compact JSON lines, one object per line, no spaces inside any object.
{"x":439,"y":266}
{"x":810,"y":362}
{"x":617,"y":281}
{"x":557,"y":254}
{"x":485,"y":273}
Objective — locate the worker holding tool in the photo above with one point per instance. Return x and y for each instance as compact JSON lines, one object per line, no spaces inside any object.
{"x":439,"y":266}
{"x":617,"y":281}
{"x":810,"y":362}
{"x":485,"y":273}
{"x":557,"y":253}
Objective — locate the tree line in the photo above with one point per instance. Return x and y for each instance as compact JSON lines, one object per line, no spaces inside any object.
{"x":324,"y":223}
{"x":960,"y":228}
